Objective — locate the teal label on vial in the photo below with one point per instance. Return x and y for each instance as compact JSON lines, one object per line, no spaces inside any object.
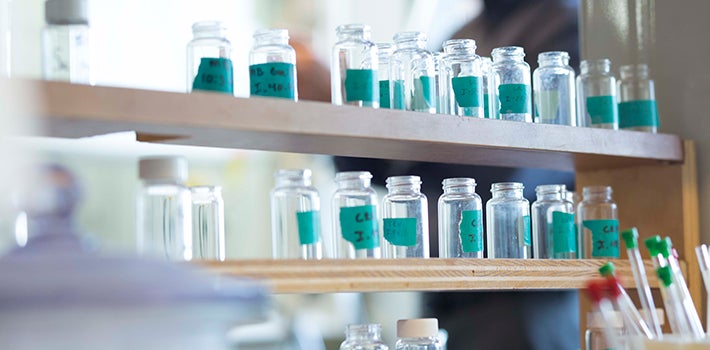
{"x":563,"y":233}
{"x":524,"y":230}
{"x":602,"y":110}
{"x":471,"y":231}
{"x":276,"y":79}
{"x":398,"y":94}
{"x":514,"y":98}
{"x":214,"y":74}
{"x":359,"y":226}
{"x":384,"y":94}
{"x":467,"y":91}
{"x":361,"y":85}
{"x":400,"y":231}
{"x":308,"y":226}
{"x":638,"y":113}
{"x":605,"y":237}
{"x":486,"y":113}
{"x":424,"y":93}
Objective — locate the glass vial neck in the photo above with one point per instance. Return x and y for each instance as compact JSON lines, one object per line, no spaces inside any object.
{"x":597,"y":192}
{"x":209,"y":29}
{"x":459,"y":185}
{"x":460,"y":47}
{"x":508,"y":53}
{"x":370,"y":331}
{"x":407,"y":40}
{"x":353,"y":179}
{"x":384,"y":51}
{"x":271,"y":37}
{"x":602,"y":66}
{"x":553,"y":58}
{"x":550,"y":191}
{"x":205,"y":194}
{"x":402,"y":184}
{"x":293,"y":177}
{"x":507,"y":190}
{"x":353,"y":32}
{"x":486,"y":64}
{"x":634,"y":71}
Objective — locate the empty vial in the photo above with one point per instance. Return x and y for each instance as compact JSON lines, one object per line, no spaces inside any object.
{"x":209,"y":63}
{"x":405,"y":220}
{"x":418,"y":334}
{"x":354,"y":67}
{"x":461,"y":81}
{"x":460,"y":220}
{"x":637,"y":99}
{"x":384,"y":51}
{"x":65,"y":42}
{"x":208,"y":223}
{"x":412,"y":74}
{"x":511,"y":81}
{"x":441,"y":108}
{"x":553,"y":231}
{"x":272,"y":65}
{"x":598,"y":223}
{"x":508,"y":222}
{"x":554,"y":86}
{"x":363,"y":337}
{"x":486,"y":70}
{"x":295,"y":216}
{"x":596,"y":95}
{"x":355,"y":218}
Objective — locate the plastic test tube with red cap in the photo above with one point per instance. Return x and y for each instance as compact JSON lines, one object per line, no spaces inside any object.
{"x":595,"y":291}
{"x":633,"y":320}
{"x":630,"y":238}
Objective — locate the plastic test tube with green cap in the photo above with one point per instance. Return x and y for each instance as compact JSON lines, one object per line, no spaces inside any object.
{"x":704,"y":261}
{"x":673,"y":302}
{"x":677,"y":320}
{"x":633,"y":321}
{"x":630,"y":238}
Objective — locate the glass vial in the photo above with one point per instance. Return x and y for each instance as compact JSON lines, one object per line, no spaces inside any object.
{"x":461,"y":81}
{"x":598,"y":223}
{"x":295,"y":216}
{"x":272,"y":65}
{"x":355,"y":218}
{"x":208,"y":223}
{"x":384,"y":52}
{"x":354,"y":67}
{"x":508,"y":222}
{"x":596,"y":95}
{"x":441,"y":108}
{"x":405,"y":223}
{"x":363,"y":337}
{"x":554,"y":86}
{"x":488,"y":94}
{"x":164,"y":209}
{"x":637,"y":99}
{"x":209,"y":63}
{"x":460,"y":220}
{"x":554,"y":236}
{"x":594,"y":335}
{"x":418,"y":334}
{"x":65,"y":42}
{"x":511,"y":82}
{"x":412,"y":74}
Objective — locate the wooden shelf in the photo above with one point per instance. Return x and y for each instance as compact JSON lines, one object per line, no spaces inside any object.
{"x":207,"y":119}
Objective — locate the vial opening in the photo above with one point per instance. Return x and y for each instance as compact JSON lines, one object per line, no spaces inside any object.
{"x":602,"y":65}
{"x":634,"y":71}
{"x":353,"y":175}
{"x":385,"y":47}
{"x":403,"y":180}
{"x":208,"y":29}
{"x":280,"y":35}
{"x":459,"y":46}
{"x":544,"y":189}
{"x":458,"y":181}
{"x":354,"y":29}
{"x":503,"y":186}
{"x":363,"y":329}
{"x":403,"y":37}
{"x":205,"y":194}
{"x":508,"y":52}
{"x":596,"y":190}
{"x":293,"y":174}
{"x":553,"y":57}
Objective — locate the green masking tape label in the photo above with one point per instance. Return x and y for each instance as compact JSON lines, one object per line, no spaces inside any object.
{"x":384,"y":94}
{"x":547,"y":103}
{"x":514,"y":98}
{"x":486,"y":113}
{"x":308,"y":226}
{"x":359,"y":226}
{"x":398,"y":94}
{"x":605,"y":237}
{"x":524,"y":230}
{"x":638,"y":113}
{"x":361,"y":85}
{"x":563,"y":233}
{"x":602,"y":110}
{"x":471,"y":231}
{"x":467,"y":91}
{"x":400,"y":231}
{"x":424,"y":93}
{"x":276,"y":79}
{"x":214,"y":74}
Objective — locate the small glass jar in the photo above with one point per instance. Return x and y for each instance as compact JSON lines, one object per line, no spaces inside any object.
{"x":594,"y":335}
{"x":384,"y":52}
{"x":209,"y":63}
{"x":508,"y":222}
{"x":460,"y":79}
{"x":405,"y":223}
{"x":488,"y":92}
{"x":418,"y":334}
{"x":354,"y":67}
{"x":363,"y":337}
{"x":66,"y":53}
{"x":511,"y":81}
{"x":460,"y":220}
{"x":295,"y":216}
{"x":208,"y":223}
{"x":412,"y":74}
{"x":554,"y":86}
{"x":596,"y":95}
{"x":553,"y":231}
{"x":355,"y":218}
{"x":598,"y":223}
{"x":637,"y":99}
{"x":272,"y":65}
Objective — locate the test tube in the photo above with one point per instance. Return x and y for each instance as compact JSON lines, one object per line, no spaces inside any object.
{"x":673,"y":301}
{"x":678,"y":323}
{"x":704,"y":261}
{"x":630,"y":238}
{"x":595,"y":291}
{"x":633,"y":320}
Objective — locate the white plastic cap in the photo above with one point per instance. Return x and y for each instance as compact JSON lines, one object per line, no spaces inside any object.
{"x":418,"y":328}
{"x":66,"y":12}
{"x":163,"y":168}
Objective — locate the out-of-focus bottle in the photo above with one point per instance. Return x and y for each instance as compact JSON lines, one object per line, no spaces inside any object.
{"x":354,"y":67}
{"x":208,"y":223}
{"x":384,"y":52}
{"x":412,"y":74}
{"x":164,"y":209}
{"x":209,"y":63}
{"x":363,"y":337}
{"x":596,"y":95}
{"x":272,"y":65}
{"x":461,"y":81}
{"x":598,"y":223}
{"x":418,"y":334}
{"x":405,"y":223}
{"x":441,"y":107}
{"x":511,"y":82}
{"x":460,"y":220}
{"x":594,"y":335}
{"x":637,"y":99}
{"x":554,"y":86}
{"x":553,"y":231}
{"x":355,"y":218}
{"x":508,"y":222}
{"x":66,"y":54}
{"x":488,"y":92}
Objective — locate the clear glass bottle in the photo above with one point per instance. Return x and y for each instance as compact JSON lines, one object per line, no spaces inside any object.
{"x":461,"y":81}
{"x":209,"y":63}
{"x":418,"y":334}
{"x":363,"y":337}
{"x":598,"y":224}
{"x":441,"y":108}
{"x":508,"y":222}
{"x":295,"y":216}
{"x":553,"y":231}
{"x":65,"y":42}
{"x":594,"y":335}
{"x":354,"y":67}
{"x":637,"y":99}
{"x":460,"y":220}
{"x":405,"y":223}
{"x":355,"y":218}
{"x":164,"y":209}
{"x":272,"y":65}
{"x":488,"y":91}
{"x":596,"y":95}
{"x":511,"y":82}
{"x":384,"y":52}
{"x":412,"y":74}
{"x":208,"y":223}
{"x":554,"y":89}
